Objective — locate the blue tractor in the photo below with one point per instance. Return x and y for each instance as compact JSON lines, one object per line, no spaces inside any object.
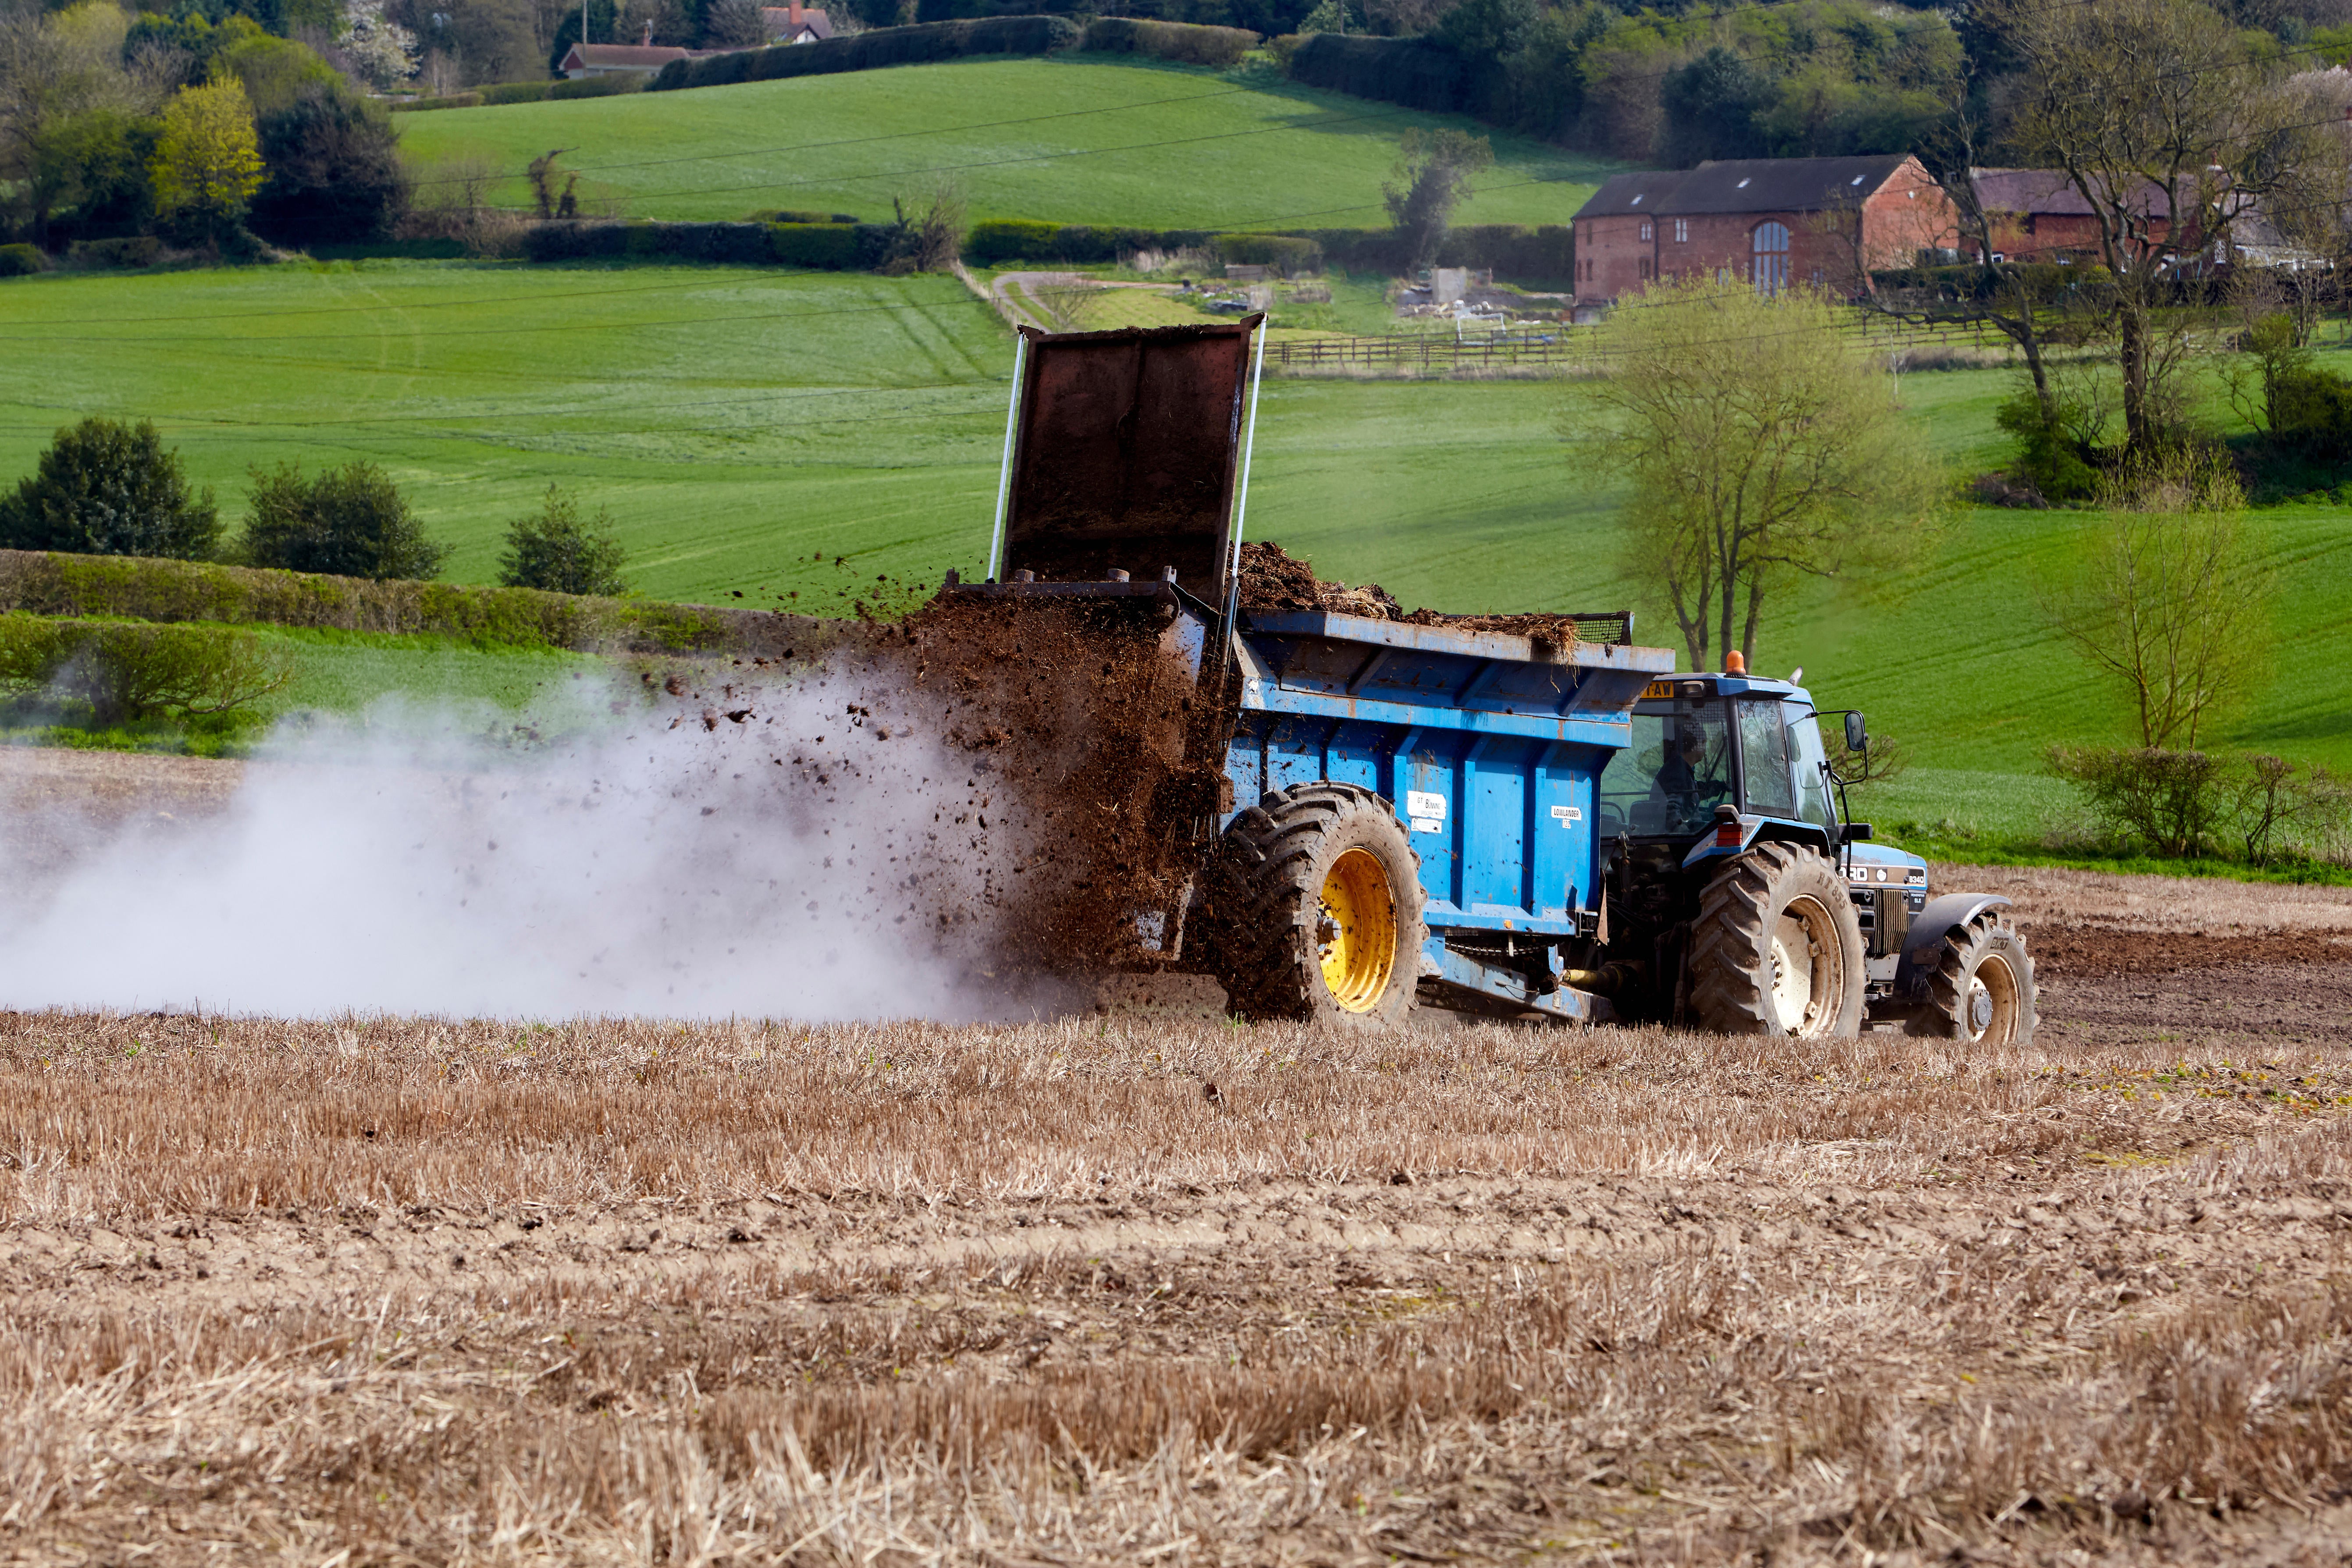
{"x":1555,"y":825}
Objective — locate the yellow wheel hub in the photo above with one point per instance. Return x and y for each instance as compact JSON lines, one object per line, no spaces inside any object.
{"x":1355,"y":931}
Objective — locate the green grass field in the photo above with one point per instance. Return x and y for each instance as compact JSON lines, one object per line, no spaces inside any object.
{"x":748,"y":428}
{"x":1065,"y":140}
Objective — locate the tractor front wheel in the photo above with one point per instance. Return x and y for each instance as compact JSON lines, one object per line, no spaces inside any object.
{"x":1315,"y":900}
{"x":1777,"y":947}
{"x":1980,"y":987}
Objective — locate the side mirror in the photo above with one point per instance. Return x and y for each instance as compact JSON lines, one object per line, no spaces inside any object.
{"x":1857,"y":739}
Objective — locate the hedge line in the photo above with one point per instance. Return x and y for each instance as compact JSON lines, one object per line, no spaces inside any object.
{"x":917,"y":45}
{"x":825,"y":246}
{"x":139,"y":588}
{"x":1179,"y":41}
{"x":1025,"y":239}
{"x":526,"y":92}
{"x":1419,"y":73}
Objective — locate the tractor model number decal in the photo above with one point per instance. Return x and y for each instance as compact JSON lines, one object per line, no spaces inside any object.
{"x":1427,"y":810}
{"x":1567,"y":814}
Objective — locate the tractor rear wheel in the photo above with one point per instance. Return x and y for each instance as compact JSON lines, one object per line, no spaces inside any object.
{"x":1980,"y":990}
{"x":1777,"y":947}
{"x":1315,"y":901}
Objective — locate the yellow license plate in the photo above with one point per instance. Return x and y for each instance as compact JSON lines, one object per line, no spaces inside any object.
{"x":1658,"y":688}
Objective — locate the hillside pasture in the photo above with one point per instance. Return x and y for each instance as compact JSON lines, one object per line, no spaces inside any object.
{"x":1075,"y":140}
{"x":793,"y":437}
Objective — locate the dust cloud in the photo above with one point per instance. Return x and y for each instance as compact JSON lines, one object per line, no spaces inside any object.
{"x":738,"y":841}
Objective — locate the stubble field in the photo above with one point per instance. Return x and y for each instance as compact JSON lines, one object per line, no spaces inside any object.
{"x":1149,"y":1288}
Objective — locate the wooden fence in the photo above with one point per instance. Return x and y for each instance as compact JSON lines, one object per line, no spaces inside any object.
{"x":1558,"y":348}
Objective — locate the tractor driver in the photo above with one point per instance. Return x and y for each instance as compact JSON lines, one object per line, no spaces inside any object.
{"x":1681,"y":783}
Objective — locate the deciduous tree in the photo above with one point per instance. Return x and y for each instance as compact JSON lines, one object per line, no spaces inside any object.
{"x":1760,"y":446}
{"x":208,"y":160}
{"x":1433,"y":171}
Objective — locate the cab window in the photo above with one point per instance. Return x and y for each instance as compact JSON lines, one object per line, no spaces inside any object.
{"x":1812,"y":766}
{"x":1764,"y":759}
{"x":1673,"y":776}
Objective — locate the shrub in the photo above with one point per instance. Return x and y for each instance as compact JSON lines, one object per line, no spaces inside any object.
{"x":929,"y":237}
{"x":516,"y":92}
{"x":590,"y":86}
{"x":555,"y":549}
{"x":21,"y":260}
{"x":2170,"y":800}
{"x":2278,"y":805}
{"x":2048,"y":457}
{"x":135,"y":250}
{"x":1288,"y":255}
{"x":1180,"y":41}
{"x":2312,"y":411}
{"x":870,"y":50}
{"x":448,"y":101}
{"x":126,"y":672}
{"x":351,"y":521}
{"x":109,"y":489}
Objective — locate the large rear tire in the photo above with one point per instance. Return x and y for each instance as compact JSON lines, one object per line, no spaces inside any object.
{"x":1315,"y":900}
{"x":1980,"y":991}
{"x":1777,"y":947}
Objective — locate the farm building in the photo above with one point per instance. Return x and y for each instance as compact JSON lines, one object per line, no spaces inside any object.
{"x":795,"y":24}
{"x":2038,"y":214}
{"x":1772,"y":222}
{"x":643,"y":58}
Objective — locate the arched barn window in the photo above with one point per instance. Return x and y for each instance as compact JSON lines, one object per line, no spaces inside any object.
{"x":1770,"y":267}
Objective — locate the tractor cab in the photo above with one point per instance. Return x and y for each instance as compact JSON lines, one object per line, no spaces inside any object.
{"x":1720,"y":762}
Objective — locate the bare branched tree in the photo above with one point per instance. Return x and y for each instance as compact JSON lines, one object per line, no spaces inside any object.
{"x":734,"y":25}
{"x":2170,"y":602}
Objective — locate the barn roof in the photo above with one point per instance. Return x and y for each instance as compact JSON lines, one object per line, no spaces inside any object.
{"x":1746,"y":186}
{"x":650,"y":56}
{"x":2048,"y":192}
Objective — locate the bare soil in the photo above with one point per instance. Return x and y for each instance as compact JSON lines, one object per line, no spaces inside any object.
{"x":1149,"y":1288}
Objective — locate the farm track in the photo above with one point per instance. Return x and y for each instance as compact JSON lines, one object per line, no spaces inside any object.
{"x":1142,"y":1286}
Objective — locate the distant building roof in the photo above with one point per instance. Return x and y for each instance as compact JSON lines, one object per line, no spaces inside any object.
{"x":781,"y":23}
{"x":1746,"y":186}
{"x":624,"y":57}
{"x":2048,"y":192}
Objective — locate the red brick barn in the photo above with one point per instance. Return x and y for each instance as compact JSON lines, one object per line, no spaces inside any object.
{"x":2038,"y":214}
{"x":1771,"y":222}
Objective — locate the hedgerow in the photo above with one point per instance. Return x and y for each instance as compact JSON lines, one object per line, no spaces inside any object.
{"x":142,"y":588}
{"x":917,"y":45}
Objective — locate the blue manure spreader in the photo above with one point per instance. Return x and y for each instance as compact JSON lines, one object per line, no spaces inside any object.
{"x":1553,"y":826}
